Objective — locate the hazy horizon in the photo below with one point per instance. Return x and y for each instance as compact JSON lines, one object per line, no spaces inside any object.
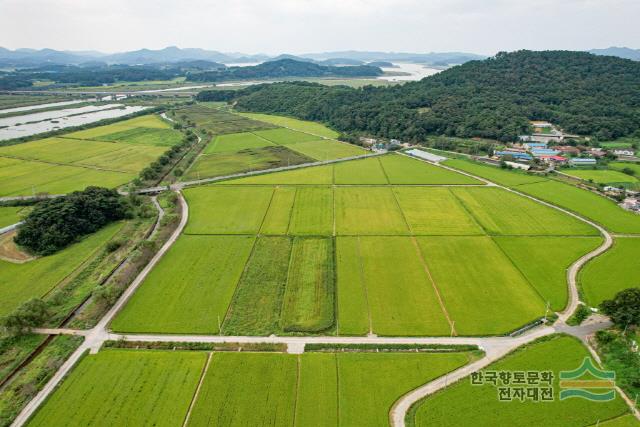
{"x":303,"y":26}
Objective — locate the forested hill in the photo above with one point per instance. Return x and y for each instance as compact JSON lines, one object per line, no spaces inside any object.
{"x":284,"y":68}
{"x":494,"y":98}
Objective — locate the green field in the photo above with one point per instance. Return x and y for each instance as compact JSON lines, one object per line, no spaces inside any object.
{"x":246,"y":160}
{"x":626,"y":165}
{"x":295,"y":124}
{"x":109,"y":156}
{"x":405,"y":170}
{"x":358,"y":258}
{"x":124,"y":387}
{"x":453,"y":406}
{"x":321,"y":389}
{"x":483,"y":292}
{"x":601,"y":176}
{"x":583,"y":202}
{"x":544,"y":260}
{"x":226,"y":210}
{"x":236,"y":142}
{"x":502,"y":212}
{"x":326,"y":149}
{"x":282,"y":136}
{"x":210,"y":268}
{"x":34,"y":279}
{"x":10,"y":215}
{"x":611,"y":272}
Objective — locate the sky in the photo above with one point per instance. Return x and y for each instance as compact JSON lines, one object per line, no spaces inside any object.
{"x":303,"y":26}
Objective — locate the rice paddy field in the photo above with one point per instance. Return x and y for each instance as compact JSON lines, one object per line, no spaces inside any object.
{"x":158,"y":387}
{"x":10,"y":215}
{"x":452,"y":406}
{"x":611,"y":272}
{"x":109,"y":156}
{"x":583,"y":202}
{"x":378,"y":245}
{"x":602,"y":176}
{"x":37,"y":277}
{"x":215,"y":120}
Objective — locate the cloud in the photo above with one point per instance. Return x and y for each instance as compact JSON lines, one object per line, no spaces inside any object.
{"x":296,"y":26}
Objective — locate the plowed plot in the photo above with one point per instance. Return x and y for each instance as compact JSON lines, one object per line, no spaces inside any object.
{"x":481,"y":289}
{"x":199,"y":272}
{"x":227,"y":210}
{"x":124,"y":387}
{"x":452,"y":406}
{"x":502,"y":212}
{"x":371,"y":210}
{"x":405,"y":170}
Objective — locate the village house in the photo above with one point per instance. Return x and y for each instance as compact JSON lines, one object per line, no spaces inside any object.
{"x":567,"y":149}
{"x":582,"y":162}
{"x":623,"y":152}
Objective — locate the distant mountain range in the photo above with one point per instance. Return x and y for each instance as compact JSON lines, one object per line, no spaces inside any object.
{"x":621,"y":52}
{"x":32,"y":57}
{"x":21,"y":58}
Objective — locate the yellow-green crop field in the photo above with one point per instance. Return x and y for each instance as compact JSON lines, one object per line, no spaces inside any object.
{"x":306,"y":253}
{"x":452,"y":406}
{"x":116,"y":387}
{"x":108,"y":156}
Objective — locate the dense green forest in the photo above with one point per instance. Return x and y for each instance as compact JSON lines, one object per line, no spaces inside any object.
{"x":56,"y":223}
{"x":284,"y":68}
{"x":494,"y":98}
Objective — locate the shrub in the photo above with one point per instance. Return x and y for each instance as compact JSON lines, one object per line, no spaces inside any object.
{"x":624,"y":308}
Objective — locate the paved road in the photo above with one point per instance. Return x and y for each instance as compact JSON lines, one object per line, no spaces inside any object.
{"x":494,"y":347}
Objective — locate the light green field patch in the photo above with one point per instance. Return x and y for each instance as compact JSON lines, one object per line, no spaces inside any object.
{"x":493,"y":173}
{"x":10,"y":215}
{"x":150,"y":121}
{"x":353,"y":307}
{"x":405,"y":170}
{"x":619,"y":166}
{"x":33,"y":279}
{"x":481,"y":289}
{"x":316,"y":175}
{"x":312,"y":212}
{"x":370,"y":210}
{"x":611,"y":272}
{"x":309,"y":297}
{"x":288,"y":122}
{"x":365,"y":171}
{"x":435,"y":211}
{"x":385,"y":377}
{"x":257,"y":303}
{"x":279,"y":214}
{"x":124,"y":387}
{"x":544,"y":262}
{"x":317,"y":403}
{"x":59,"y":150}
{"x":247,"y":389}
{"x":452,"y":406}
{"x":600,"y":176}
{"x":402,"y":300}
{"x":282,"y":136}
{"x":585,"y":203}
{"x":226,"y":210}
{"x":235,"y":142}
{"x":326,"y":149}
{"x":502,"y":212}
{"x":128,"y":158}
{"x":194,"y":284}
